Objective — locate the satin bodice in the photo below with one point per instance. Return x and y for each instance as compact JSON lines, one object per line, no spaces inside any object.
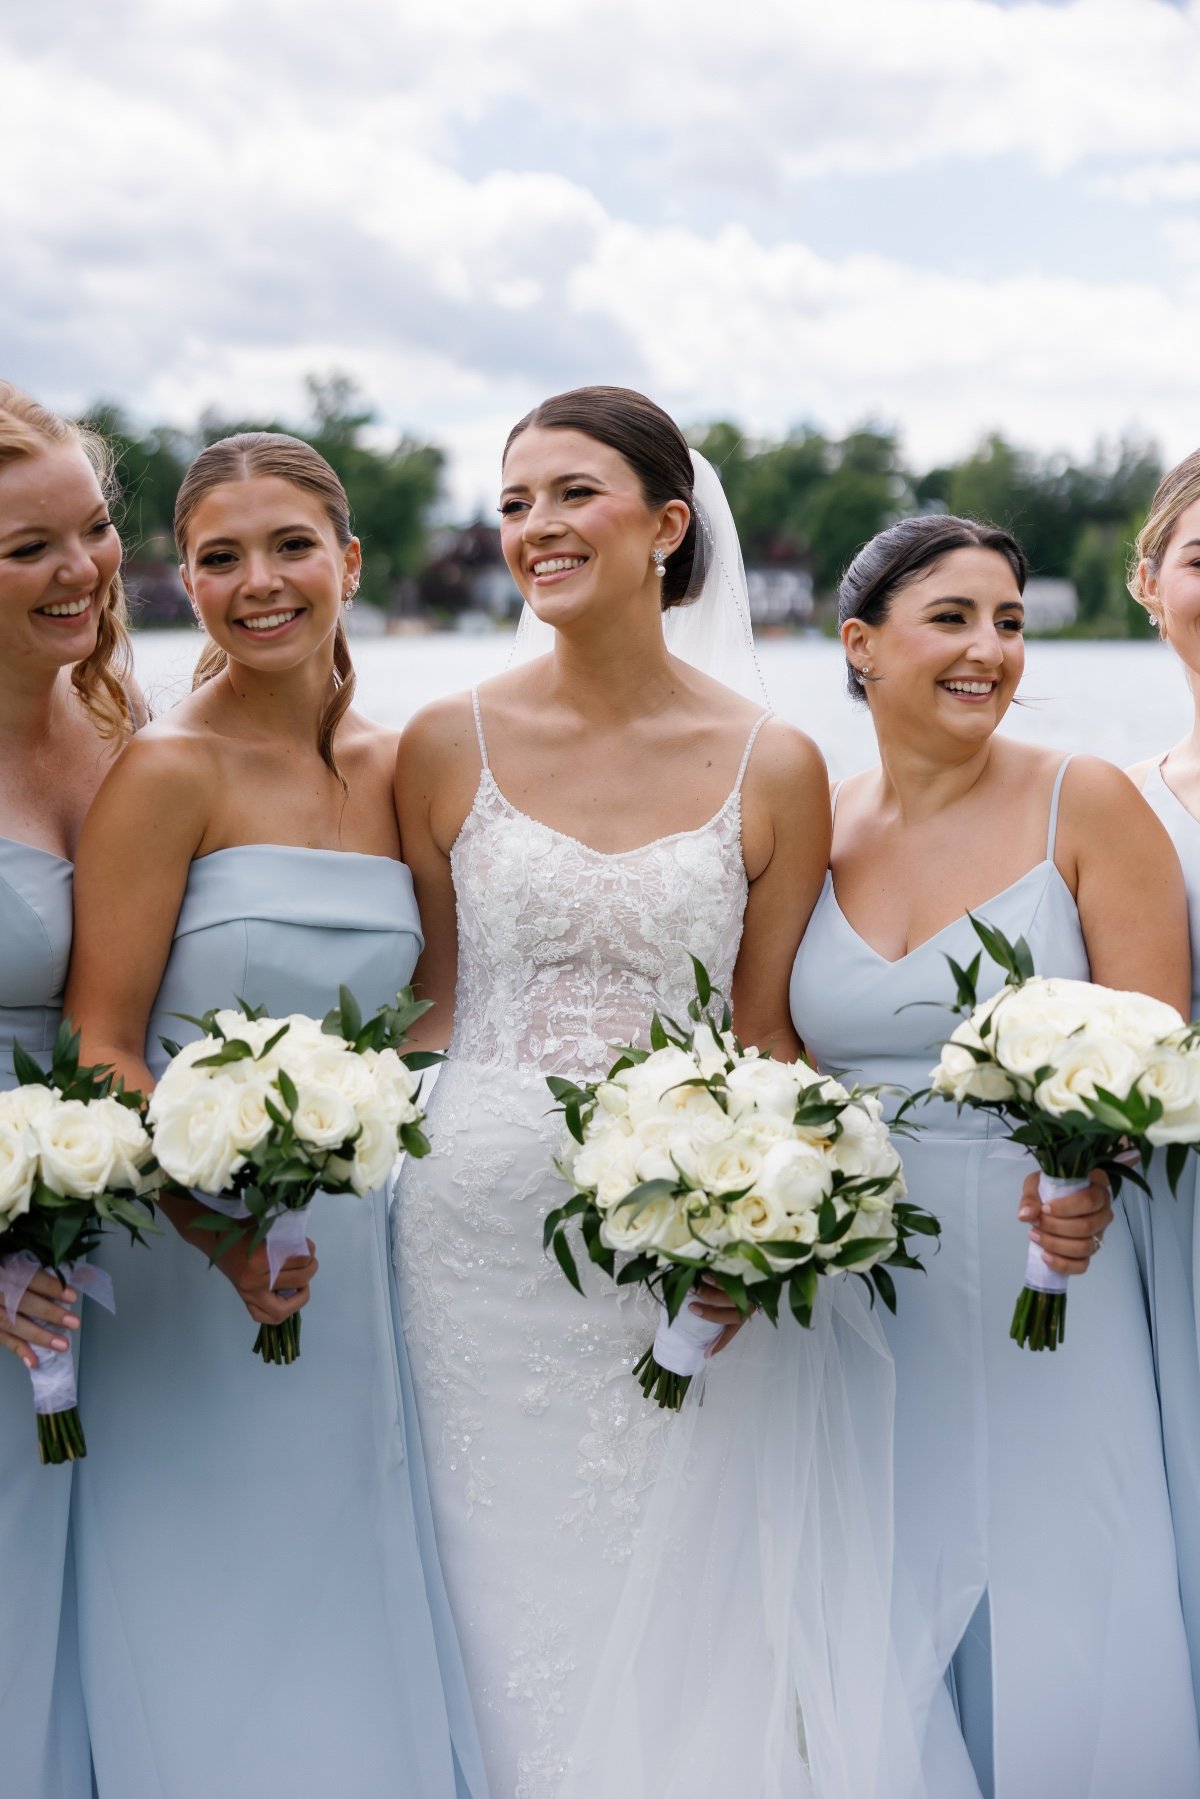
{"x":35,"y":947}
{"x":564,"y":950}
{"x":859,"y":1012}
{"x":1184,"y":832}
{"x":283,"y":927}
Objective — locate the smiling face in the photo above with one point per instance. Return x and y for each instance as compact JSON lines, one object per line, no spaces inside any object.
{"x":1172,"y":594}
{"x":950,"y":653}
{"x":576,"y":530}
{"x":266,"y":572}
{"x":59,"y":556}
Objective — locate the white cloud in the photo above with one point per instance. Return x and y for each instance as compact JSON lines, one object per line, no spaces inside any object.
{"x":222,"y":194}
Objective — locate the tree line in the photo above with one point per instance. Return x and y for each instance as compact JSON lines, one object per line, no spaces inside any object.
{"x":809,"y":499}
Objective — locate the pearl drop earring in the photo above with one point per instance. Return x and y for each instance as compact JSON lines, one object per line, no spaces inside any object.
{"x":660,"y":562}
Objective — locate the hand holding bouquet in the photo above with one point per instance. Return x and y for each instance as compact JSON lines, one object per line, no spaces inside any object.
{"x":699,"y":1157}
{"x":260,"y":1114}
{"x":74,"y":1156}
{"x":1086,"y":1077}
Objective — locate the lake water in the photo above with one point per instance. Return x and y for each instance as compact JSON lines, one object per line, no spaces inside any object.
{"x":1119,"y":700}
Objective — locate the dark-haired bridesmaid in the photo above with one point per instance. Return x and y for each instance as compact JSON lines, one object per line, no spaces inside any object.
{"x":66,"y":708}
{"x":260,"y":1605}
{"x":1033,"y":1529}
{"x":1166,"y":580}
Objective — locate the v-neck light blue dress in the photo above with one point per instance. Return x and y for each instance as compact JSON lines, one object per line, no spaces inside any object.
{"x":1033,"y":1530}
{"x":261,"y":1606}
{"x":1165,"y":1236}
{"x":43,"y":1736}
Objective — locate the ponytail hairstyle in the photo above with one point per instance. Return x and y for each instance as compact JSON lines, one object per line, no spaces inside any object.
{"x":655,"y":449}
{"x":241,"y":458}
{"x":102,"y":679}
{"x":1178,"y":489}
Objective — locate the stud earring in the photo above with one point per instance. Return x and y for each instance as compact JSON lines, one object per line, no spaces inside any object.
{"x":659,"y":558}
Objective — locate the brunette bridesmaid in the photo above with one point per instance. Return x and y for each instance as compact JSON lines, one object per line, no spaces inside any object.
{"x":1033,"y":1528}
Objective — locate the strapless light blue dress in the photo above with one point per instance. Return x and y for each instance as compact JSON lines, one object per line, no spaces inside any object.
{"x":261,"y":1609}
{"x":1034,"y":1547}
{"x":1164,"y":1234}
{"x":43,"y":1736}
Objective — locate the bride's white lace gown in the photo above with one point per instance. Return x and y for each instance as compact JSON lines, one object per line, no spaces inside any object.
{"x":540,"y":1445}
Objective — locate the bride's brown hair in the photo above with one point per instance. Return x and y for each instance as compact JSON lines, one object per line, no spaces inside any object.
{"x":102,"y":679}
{"x":655,"y":449}
{"x":241,"y":458}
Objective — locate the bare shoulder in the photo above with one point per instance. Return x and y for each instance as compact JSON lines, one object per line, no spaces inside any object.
{"x":785,"y":758}
{"x":1094,"y":790}
{"x":445,"y":727}
{"x":171,"y":750}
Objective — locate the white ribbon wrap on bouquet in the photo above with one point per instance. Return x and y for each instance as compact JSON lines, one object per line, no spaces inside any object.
{"x":53,"y":1379}
{"x":286,"y":1237}
{"x":682,"y":1347}
{"x":1038,"y":1275}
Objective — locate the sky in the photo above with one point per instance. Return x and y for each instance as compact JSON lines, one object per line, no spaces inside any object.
{"x":951,"y":216}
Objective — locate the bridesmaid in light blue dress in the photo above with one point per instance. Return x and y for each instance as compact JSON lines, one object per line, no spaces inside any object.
{"x":62,"y":631}
{"x":1167,"y":582}
{"x":261,"y":1608}
{"x":1038,"y":1585}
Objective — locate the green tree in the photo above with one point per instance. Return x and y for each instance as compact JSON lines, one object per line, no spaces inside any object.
{"x":149,"y":467}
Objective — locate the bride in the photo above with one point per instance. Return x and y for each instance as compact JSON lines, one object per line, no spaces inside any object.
{"x":577,"y":828}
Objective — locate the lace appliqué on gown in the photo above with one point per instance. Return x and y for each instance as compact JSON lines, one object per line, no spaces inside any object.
{"x":541,"y":1447}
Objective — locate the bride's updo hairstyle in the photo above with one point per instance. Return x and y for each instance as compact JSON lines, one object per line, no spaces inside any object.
{"x":655,"y":449}
{"x":903,"y":552}
{"x":1178,"y":489}
{"x":101,"y":679}
{"x":242,"y":458}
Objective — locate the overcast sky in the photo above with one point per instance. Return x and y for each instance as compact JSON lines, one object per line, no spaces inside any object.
{"x":947,"y":214}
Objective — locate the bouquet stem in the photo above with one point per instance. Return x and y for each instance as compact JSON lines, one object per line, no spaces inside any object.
{"x":1040,"y":1317}
{"x":60,"y":1436}
{"x":660,"y":1383}
{"x":279,"y":1343}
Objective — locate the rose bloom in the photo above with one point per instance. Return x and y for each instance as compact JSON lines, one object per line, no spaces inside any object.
{"x":18,"y":1167}
{"x":76,"y":1148}
{"x":761,"y":1083}
{"x":1084,"y":1063}
{"x":195,"y":1140}
{"x":323,"y":1116}
{"x":374,"y":1153}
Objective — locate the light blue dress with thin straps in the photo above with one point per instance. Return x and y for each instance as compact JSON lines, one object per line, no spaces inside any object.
{"x":43,"y":1734}
{"x":261,"y":1608}
{"x":1165,"y":1236}
{"x":1032,"y":1518}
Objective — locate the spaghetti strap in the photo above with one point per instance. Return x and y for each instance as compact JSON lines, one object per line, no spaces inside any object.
{"x":483,"y":755}
{"x":833,"y":799}
{"x":741,"y":774}
{"x":1052,"y":828}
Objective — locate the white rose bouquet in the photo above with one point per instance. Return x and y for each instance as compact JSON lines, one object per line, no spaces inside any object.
{"x":699,"y":1157}
{"x":259,"y":1114}
{"x":74,"y":1156}
{"x":1085,"y":1076}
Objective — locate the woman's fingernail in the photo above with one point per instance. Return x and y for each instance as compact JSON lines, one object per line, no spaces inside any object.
{"x":70,"y":1295}
{"x":71,"y":1321}
{"x":1035,"y":1237}
{"x":59,"y":1343}
{"x":1026,"y":1210}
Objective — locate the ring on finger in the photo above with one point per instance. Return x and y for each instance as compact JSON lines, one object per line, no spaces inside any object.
{"x":1097,"y":1243}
